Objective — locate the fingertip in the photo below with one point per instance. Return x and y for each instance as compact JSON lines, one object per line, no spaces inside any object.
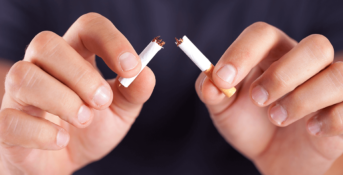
{"x":314,"y":126}
{"x":85,"y":116}
{"x":31,"y":132}
{"x":129,"y":64}
{"x":278,"y":115}
{"x":224,"y":75}
{"x":141,"y":88}
{"x":102,"y":97}
{"x":146,"y":78}
{"x":210,"y":93}
{"x":62,"y":138}
{"x":259,"y":95}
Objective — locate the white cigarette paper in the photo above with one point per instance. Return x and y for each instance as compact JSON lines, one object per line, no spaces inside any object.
{"x":146,"y":56}
{"x":200,"y":60}
{"x":194,"y":54}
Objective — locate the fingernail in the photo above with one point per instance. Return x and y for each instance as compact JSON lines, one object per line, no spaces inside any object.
{"x":227,"y":73}
{"x":62,"y":138}
{"x":84,"y":114}
{"x":314,"y":126}
{"x":102,"y":96}
{"x":128,"y":61}
{"x":278,"y":114}
{"x":259,"y":95}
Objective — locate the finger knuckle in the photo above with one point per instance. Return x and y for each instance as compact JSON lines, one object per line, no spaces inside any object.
{"x":243,"y":53}
{"x":86,"y":76}
{"x":89,"y":18}
{"x":17,"y":75}
{"x":335,"y":76}
{"x":6,"y":121}
{"x":320,"y":47}
{"x":68,"y":103}
{"x":40,"y":43}
{"x":262,"y":28}
{"x":335,"y":114}
{"x":279,"y":80}
{"x":297,"y":104}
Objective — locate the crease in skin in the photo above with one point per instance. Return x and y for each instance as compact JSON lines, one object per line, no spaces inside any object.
{"x":80,"y":77}
{"x":16,"y":124}
{"x":340,"y":75}
{"x":64,"y":101}
{"x":311,"y":54}
{"x":53,"y":47}
{"x":54,"y":50}
{"x":334,"y":80}
{"x":283,"y":78}
{"x":27,"y":84}
{"x":219,"y":115}
{"x":30,"y":83}
{"x":38,"y":79}
{"x":10,"y":124}
{"x":339,"y":116}
{"x":21,"y":82}
{"x":38,"y":131}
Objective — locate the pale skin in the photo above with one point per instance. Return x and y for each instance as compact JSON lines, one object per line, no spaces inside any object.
{"x":58,"y":113}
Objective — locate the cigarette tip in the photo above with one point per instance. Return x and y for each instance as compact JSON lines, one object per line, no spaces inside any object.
{"x":178,"y":41}
{"x":159,"y":41}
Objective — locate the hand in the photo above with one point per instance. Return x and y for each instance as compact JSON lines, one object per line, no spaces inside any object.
{"x":294,"y":85}
{"x":58,"y":113}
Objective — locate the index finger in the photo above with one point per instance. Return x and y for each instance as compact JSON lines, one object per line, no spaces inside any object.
{"x":94,"y":34}
{"x":255,"y":43}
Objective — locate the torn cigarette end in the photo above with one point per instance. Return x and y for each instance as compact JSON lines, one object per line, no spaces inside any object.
{"x":200,"y":60}
{"x":178,"y":41}
{"x":159,"y":41}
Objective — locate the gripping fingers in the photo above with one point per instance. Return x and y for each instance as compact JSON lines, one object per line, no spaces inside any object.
{"x":20,"y":129}
{"x":56,"y":57}
{"x":310,"y":56}
{"x":257,"y":44}
{"x":93,"y":34}
{"x":211,"y":95}
{"x":127,"y":102}
{"x":28,"y":85}
{"x":328,"y":122}
{"x":321,"y":91}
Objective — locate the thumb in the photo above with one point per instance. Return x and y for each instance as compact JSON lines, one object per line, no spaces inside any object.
{"x":241,"y":123}
{"x":127,"y":102}
{"x":214,"y":98}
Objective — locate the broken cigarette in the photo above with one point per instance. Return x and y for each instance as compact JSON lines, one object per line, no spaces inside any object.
{"x":200,"y":60}
{"x":146,"y":56}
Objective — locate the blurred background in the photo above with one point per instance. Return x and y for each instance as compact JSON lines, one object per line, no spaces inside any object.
{"x":174,"y":133}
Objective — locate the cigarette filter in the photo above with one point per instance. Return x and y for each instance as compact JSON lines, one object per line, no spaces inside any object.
{"x":200,"y":60}
{"x":146,"y":55}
